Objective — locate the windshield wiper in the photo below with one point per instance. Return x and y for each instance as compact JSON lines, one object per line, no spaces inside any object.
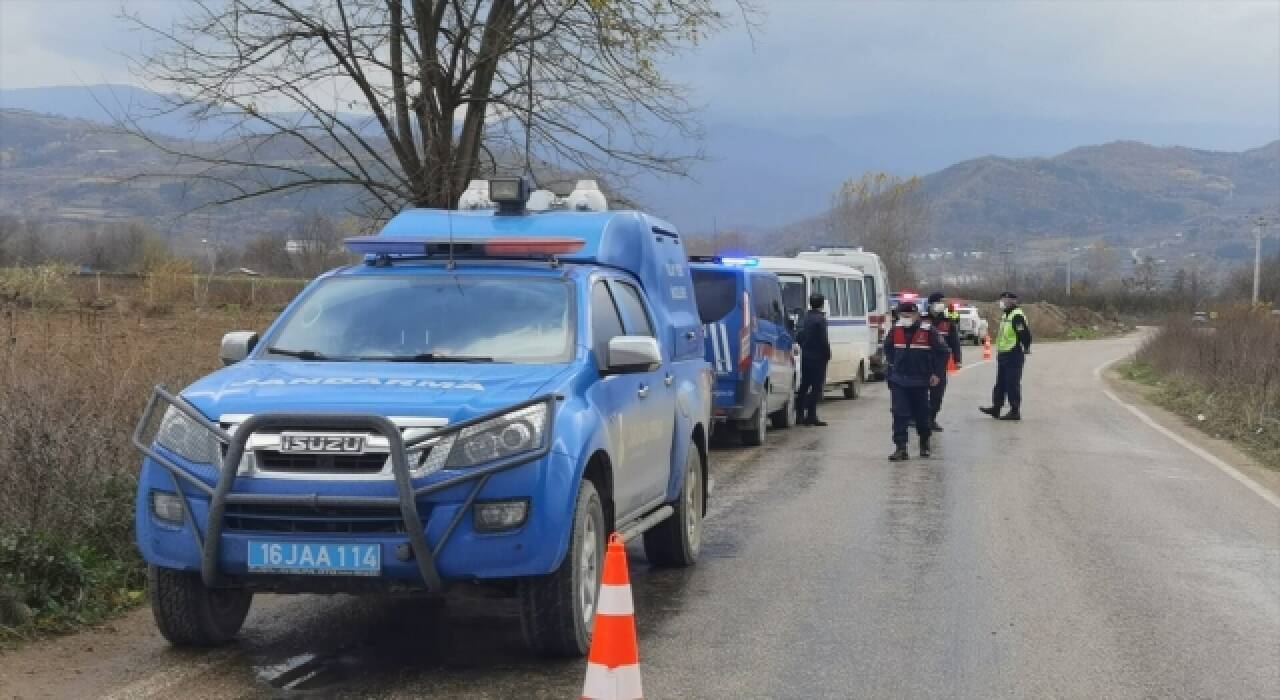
{"x":425,"y":357}
{"x":300,"y":354}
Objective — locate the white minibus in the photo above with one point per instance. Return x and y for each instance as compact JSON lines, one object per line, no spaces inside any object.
{"x":876,"y":279}
{"x":852,"y":340}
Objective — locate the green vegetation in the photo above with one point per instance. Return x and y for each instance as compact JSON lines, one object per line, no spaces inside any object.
{"x":1224,"y":379}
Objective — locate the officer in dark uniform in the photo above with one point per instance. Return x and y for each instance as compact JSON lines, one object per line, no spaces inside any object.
{"x":950,"y":332}
{"x":815,"y":353}
{"x":1013,"y":344}
{"x":916,"y":356}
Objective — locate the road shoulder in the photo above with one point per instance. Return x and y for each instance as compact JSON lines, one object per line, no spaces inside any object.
{"x":1139,"y":396}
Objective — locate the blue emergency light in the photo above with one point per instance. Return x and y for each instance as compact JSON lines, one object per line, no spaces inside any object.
{"x":741,"y":262}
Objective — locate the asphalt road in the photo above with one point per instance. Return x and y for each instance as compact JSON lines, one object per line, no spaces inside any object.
{"x":1080,"y":553}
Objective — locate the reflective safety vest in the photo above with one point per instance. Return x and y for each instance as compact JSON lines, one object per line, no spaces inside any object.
{"x":945,"y":327}
{"x":1007,"y":338}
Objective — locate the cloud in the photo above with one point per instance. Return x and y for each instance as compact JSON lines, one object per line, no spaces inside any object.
{"x":72,"y":42}
{"x":1119,"y":61}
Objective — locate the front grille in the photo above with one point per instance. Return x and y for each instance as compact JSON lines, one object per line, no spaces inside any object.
{"x":370,"y":463}
{"x":315,"y":519}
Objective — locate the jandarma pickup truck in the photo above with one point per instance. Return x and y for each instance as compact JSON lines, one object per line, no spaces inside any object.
{"x":485,"y":398}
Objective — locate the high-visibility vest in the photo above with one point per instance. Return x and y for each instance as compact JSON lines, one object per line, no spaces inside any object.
{"x":1007,"y":338}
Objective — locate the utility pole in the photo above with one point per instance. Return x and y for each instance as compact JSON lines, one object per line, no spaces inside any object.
{"x":1007,"y":253}
{"x":1068,"y":273}
{"x":1258,"y":224}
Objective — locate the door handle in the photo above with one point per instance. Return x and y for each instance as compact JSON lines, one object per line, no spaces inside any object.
{"x":643,"y":392}
{"x":668,"y":381}
{"x":690,"y":335}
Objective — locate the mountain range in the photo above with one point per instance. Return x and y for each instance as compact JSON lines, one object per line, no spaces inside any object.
{"x":771,"y":181}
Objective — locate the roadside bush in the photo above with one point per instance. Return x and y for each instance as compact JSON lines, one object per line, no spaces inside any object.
{"x":43,"y":287}
{"x":72,"y":386}
{"x":1225,"y":376}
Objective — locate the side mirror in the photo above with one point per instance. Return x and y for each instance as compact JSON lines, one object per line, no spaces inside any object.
{"x":633,"y":353}
{"x":237,"y":345}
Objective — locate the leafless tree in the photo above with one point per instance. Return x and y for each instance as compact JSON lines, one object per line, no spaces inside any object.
{"x":406,"y":100}
{"x":886,"y":215}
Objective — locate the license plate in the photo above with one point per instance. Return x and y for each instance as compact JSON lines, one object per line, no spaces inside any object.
{"x":313,"y":443}
{"x":317,"y":558}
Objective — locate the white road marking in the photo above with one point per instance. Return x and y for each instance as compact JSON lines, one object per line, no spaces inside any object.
{"x":1266,"y":494}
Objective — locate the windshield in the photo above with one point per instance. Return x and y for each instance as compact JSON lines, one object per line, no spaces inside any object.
{"x":794,"y":297}
{"x":716,"y":292}
{"x":430,"y":319}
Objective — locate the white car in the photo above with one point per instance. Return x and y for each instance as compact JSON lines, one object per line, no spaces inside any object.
{"x":973,"y":326}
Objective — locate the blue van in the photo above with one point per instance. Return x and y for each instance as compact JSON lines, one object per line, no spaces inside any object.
{"x":749,"y":343}
{"x":485,"y":398}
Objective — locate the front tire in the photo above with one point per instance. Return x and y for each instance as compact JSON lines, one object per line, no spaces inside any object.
{"x":558,"y":611}
{"x":677,"y":540}
{"x":190,"y":614}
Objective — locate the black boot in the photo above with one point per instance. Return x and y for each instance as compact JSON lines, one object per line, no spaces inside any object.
{"x":924,"y":447}
{"x":935,"y":427}
{"x":900,"y":454}
{"x":993,"y":411}
{"x":1013,"y":414}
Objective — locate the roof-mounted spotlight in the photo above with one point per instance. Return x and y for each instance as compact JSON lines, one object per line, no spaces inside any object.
{"x":510,"y":194}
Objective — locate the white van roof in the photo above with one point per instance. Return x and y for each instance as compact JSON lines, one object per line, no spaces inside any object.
{"x":797,"y":265}
{"x":854,"y":257}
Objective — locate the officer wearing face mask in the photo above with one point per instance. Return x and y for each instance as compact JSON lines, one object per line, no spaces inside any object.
{"x":950,"y":332}
{"x":916,"y":356}
{"x":1013,"y":344}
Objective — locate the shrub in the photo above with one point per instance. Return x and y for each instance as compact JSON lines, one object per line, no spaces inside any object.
{"x":1228,"y":372}
{"x":72,"y":386}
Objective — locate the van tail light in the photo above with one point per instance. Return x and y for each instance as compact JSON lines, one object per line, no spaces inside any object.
{"x":748,"y":325}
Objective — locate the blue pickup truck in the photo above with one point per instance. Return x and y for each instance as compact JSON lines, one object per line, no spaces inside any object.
{"x":485,"y":398}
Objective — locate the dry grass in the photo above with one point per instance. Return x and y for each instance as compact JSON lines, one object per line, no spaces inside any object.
{"x":1226,"y":377}
{"x":72,"y":386}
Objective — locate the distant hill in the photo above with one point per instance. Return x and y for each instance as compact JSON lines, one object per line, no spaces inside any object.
{"x":760,"y":172}
{"x":1128,"y":193}
{"x":1116,"y":188}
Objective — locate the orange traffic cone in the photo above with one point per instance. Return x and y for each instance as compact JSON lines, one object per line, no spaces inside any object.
{"x":986,"y":347}
{"x":951,"y":365}
{"x":613,"y":667}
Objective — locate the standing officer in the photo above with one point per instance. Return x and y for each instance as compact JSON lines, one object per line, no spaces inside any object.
{"x":1013,"y":344}
{"x":815,"y":353}
{"x":915,"y":354}
{"x":950,"y":332}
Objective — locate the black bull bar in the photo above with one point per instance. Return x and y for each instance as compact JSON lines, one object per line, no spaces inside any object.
{"x":405,"y":499}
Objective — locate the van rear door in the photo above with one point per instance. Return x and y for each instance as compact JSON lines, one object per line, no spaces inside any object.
{"x":719,"y":295}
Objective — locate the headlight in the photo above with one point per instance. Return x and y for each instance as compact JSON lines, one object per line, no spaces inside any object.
{"x":188,"y":439}
{"x":517,"y":432}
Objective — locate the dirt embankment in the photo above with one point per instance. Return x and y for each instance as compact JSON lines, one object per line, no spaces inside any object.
{"x":1053,"y":322}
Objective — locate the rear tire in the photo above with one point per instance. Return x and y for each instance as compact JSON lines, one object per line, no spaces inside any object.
{"x":785,"y":417}
{"x":558,"y":611}
{"x":853,"y":389}
{"x":190,"y":614}
{"x":755,"y":435}
{"x":677,"y":540}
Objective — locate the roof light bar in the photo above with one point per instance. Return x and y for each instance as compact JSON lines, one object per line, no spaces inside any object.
{"x":491,"y":247}
{"x":741,"y":262}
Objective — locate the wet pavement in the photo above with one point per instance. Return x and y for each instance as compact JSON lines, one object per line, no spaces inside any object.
{"x":1080,"y":553}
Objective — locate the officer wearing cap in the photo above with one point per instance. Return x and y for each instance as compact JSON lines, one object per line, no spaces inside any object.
{"x":916,"y":356}
{"x":950,"y":332}
{"x":1013,"y":344}
{"x":815,"y":353}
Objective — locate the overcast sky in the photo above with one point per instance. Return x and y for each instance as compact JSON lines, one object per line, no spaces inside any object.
{"x":823,"y":90}
{"x":1161,"y":61}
